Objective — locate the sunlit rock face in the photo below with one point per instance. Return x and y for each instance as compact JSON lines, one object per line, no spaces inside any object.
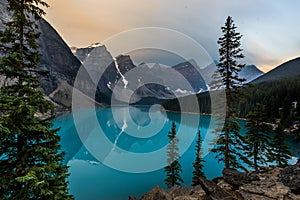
{"x":56,"y":58}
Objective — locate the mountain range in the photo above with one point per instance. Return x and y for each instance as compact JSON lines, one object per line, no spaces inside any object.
{"x":143,"y":81}
{"x":146,"y":84}
{"x":276,"y":90}
{"x":62,"y":65}
{"x":170,"y":80}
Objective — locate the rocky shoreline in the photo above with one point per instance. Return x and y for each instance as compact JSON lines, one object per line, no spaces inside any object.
{"x":268,"y":184}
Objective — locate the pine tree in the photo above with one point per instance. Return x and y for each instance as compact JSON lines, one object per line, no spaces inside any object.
{"x":174,"y":168}
{"x":280,"y":152}
{"x":198,"y":166}
{"x":31,"y":163}
{"x":229,"y":142}
{"x":258,"y":140}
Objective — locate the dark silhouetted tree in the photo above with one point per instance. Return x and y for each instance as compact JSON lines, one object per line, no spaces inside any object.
{"x":198,"y":163}
{"x":230,"y":141}
{"x":280,"y":152}
{"x":257,"y":136}
{"x":31,"y":163}
{"x":174,"y":168}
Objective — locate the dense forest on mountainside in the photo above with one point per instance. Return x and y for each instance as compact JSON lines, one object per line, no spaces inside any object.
{"x":277,"y":96}
{"x":204,"y":102}
{"x":289,"y":69}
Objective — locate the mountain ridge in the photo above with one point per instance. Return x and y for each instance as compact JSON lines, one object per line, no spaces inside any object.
{"x":56,"y":58}
{"x":98,"y":60}
{"x":290,"y":68}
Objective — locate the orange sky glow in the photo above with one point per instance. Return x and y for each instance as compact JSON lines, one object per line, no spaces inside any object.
{"x":269,"y":28}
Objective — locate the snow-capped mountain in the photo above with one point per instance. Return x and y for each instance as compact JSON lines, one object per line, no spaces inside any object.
{"x":143,"y":82}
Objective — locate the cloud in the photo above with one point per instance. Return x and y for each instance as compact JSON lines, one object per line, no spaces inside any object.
{"x":266,"y":24}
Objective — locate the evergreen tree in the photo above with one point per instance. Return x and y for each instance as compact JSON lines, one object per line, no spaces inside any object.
{"x":31,"y":163}
{"x":258,"y":140}
{"x":280,"y":152}
{"x":237,"y":144}
{"x":198,"y":166}
{"x":229,"y":141}
{"x":174,"y":168}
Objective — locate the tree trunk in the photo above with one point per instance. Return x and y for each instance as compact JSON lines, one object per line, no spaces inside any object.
{"x":255,"y":157}
{"x":226,"y":155}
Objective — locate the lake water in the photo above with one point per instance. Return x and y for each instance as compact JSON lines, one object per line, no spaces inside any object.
{"x":122,"y":153}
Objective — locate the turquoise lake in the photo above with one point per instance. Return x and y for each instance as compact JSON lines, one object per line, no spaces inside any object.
{"x":117,"y":152}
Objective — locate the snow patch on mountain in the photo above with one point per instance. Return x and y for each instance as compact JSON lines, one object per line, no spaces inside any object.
{"x":185,"y":92}
{"x":123,"y":77}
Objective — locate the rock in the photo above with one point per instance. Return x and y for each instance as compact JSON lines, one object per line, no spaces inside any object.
{"x":228,"y":188}
{"x":264,"y":190}
{"x":224,"y":185}
{"x":214,"y":191}
{"x":290,"y":177}
{"x":237,"y":179}
{"x":178,"y":190}
{"x":198,"y":192}
{"x":270,"y":175}
{"x":62,"y":94}
{"x":56,"y":57}
{"x":157,"y":193}
{"x":263,"y":185}
{"x":292,"y":197}
{"x":185,"y":198}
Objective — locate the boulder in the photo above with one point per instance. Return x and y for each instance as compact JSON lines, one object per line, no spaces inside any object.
{"x":272,"y":184}
{"x":186,"y":197}
{"x":271,"y":174}
{"x":237,"y":179}
{"x":214,"y":191}
{"x":224,"y":185}
{"x":261,"y":190}
{"x":290,"y":177}
{"x":178,"y":190}
{"x":157,"y":193}
{"x":198,"y":192}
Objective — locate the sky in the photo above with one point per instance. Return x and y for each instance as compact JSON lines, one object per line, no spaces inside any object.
{"x":270,"y":28}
